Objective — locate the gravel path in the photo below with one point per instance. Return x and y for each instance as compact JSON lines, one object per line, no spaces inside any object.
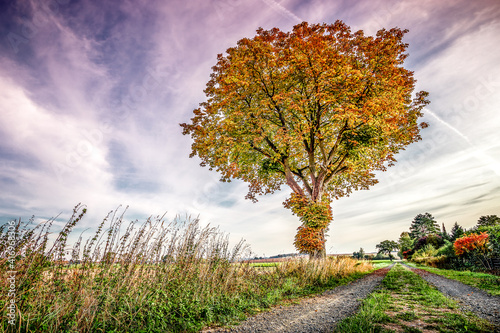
{"x":470,"y":298}
{"x":315,"y":314}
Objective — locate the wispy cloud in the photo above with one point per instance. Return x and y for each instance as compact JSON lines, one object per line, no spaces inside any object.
{"x":92,"y":94}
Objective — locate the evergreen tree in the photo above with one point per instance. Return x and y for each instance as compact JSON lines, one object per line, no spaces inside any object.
{"x":444,"y":234}
{"x":423,"y":225}
{"x":456,"y":232}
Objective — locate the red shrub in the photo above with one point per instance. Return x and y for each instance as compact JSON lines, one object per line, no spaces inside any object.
{"x":471,"y":243}
{"x":408,"y":253}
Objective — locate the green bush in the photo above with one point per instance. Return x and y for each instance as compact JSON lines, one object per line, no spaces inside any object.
{"x":426,"y":251}
{"x":446,"y":250}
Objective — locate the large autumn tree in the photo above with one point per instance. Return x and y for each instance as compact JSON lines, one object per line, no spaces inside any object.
{"x":319,"y":109}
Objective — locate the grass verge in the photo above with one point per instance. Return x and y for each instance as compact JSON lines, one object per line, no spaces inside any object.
{"x":487,"y":282}
{"x":407,"y":303}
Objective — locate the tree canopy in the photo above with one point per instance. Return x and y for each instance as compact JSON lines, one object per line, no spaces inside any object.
{"x":360,"y":254}
{"x":456,"y":232}
{"x":488,"y":221}
{"x":387,"y":247}
{"x":319,"y":109}
{"x":405,"y":242}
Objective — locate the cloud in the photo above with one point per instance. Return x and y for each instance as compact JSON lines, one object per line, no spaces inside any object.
{"x":93,"y":94}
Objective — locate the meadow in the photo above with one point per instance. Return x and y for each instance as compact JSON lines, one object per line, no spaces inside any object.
{"x":155,"y":276}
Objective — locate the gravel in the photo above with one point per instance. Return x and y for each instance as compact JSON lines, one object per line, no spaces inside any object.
{"x":315,"y":314}
{"x":470,"y":298}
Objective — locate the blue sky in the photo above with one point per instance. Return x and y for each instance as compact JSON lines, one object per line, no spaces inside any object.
{"x":92,"y":92}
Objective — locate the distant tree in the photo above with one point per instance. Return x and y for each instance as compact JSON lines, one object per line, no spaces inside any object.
{"x":456,"y":232}
{"x":360,"y":254}
{"x":423,"y":225}
{"x":443,"y":233}
{"x":433,"y":239}
{"x":387,"y":247}
{"x":379,"y":256}
{"x":405,"y":243}
{"x":319,"y":109}
{"x":488,"y":221}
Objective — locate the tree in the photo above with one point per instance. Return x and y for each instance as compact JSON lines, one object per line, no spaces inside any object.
{"x":387,"y":247}
{"x":488,"y":220}
{"x":443,"y":233}
{"x":423,"y":225}
{"x":319,"y":109}
{"x":360,"y":254}
{"x":405,"y":243}
{"x":456,"y":232}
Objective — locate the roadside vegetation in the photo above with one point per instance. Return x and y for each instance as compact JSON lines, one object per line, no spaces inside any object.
{"x":155,"y":276}
{"x":476,"y":249}
{"x":487,"y":282}
{"x":407,"y":303}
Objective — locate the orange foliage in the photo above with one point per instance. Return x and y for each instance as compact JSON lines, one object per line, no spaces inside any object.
{"x":309,"y":240}
{"x":471,"y":243}
{"x":316,"y":215}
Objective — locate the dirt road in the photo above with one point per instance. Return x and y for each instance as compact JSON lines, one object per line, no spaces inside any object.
{"x":470,"y":298}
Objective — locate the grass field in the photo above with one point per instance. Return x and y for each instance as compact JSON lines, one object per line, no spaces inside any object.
{"x":487,"y":282}
{"x":381,"y":263}
{"x":407,"y":303}
{"x":151,"y":277}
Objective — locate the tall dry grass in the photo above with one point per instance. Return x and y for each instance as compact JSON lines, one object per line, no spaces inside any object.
{"x":155,"y":276}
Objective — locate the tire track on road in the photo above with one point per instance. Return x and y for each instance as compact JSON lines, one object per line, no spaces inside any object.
{"x":470,"y":298}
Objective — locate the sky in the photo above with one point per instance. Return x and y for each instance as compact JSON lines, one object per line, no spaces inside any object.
{"x":92,"y":94}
